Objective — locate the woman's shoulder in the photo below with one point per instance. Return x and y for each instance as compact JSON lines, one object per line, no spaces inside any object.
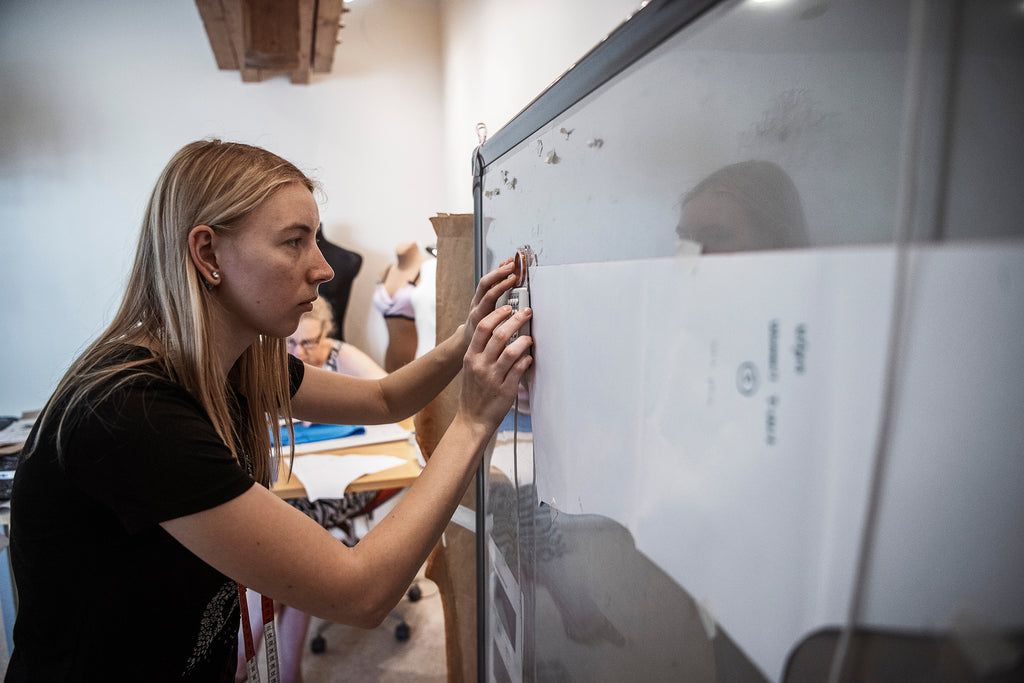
{"x":123,"y":382}
{"x":119,"y":389}
{"x":132,"y":366}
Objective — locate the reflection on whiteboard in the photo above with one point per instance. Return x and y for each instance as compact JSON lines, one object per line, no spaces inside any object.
{"x":736,"y":440}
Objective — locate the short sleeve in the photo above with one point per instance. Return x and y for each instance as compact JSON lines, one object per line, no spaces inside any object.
{"x":149,"y":453}
{"x":296,"y":371}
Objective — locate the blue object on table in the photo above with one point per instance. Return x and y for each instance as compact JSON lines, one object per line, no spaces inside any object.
{"x":317,"y":432}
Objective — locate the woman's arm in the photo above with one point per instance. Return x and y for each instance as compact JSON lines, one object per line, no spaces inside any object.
{"x":331,"y":398}
{"x":352,"y":361}
{"x":269,"y":546}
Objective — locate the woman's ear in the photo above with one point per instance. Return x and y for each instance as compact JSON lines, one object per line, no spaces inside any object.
{"x":200,"y":248}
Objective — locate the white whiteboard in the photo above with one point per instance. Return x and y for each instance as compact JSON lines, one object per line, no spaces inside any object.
{"x":773,"y":396}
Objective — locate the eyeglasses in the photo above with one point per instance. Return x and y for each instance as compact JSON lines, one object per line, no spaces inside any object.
{"x":306,"y":344}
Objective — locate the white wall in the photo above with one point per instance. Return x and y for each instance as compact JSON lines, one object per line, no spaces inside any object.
{"x":96,"y":97}
{"x":498,"y":56}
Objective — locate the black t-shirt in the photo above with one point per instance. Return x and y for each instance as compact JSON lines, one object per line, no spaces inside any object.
{"x":104,"y":592}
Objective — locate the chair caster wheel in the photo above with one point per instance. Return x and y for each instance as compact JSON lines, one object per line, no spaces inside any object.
{"x":402,"y":632}
{"x":318,"y":645}
{"x":415,"y":594}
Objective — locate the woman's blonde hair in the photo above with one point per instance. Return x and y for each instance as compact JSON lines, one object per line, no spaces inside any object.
{"x":167,"y":308}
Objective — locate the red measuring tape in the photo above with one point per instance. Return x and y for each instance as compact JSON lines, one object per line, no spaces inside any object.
{"x":269,"y":638}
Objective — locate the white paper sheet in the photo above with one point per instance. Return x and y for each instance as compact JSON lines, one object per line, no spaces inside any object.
{"x":727,"y":413}
{"x":327,"y":476}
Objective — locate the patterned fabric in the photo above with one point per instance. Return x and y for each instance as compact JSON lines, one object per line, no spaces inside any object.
{"x":219,"y":618}
{"x":331,"y":513}
{"x":332,"y":358}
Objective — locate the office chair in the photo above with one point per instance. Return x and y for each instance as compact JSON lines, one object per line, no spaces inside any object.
{"x":402,"y":631}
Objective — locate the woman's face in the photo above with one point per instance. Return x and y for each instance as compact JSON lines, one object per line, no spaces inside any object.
{"x":270,"y":266}
{"x":309,"y":343}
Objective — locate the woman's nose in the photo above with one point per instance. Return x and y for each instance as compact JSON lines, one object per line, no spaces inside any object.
{"x":322,"y":271}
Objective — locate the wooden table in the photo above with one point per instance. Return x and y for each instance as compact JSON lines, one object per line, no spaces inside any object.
{"x":396,"y":477}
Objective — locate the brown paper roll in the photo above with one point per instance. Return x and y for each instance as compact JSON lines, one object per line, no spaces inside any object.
{"x":452,"y":564}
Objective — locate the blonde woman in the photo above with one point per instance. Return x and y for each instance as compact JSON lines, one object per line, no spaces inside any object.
{"x":142,"y":504}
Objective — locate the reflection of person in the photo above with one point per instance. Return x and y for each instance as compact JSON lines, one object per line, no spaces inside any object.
{"x":746,"y":206}
{"x":393,"y":299}
{"x":595,"y":589}
{"x":134,"y":513}
{"x":583,"y":619}
{"x":313,"y":343}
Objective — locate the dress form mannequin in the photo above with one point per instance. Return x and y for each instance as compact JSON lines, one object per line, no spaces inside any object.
{"x":346,"y":265}
{"x":424,"y":304}
{"x":392,"y":299}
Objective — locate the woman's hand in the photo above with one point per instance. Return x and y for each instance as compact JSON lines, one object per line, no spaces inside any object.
{"x":493,"y":367}
{"x":488,"y":290}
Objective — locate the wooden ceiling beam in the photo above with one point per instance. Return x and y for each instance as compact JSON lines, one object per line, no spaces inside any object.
{"x":216,"y":24}
{"x":263,"y":38}
{"x":271,"y":34}
{"x":306,"y":16}
{"x":234,"y":19}
{"x":325,"y":40}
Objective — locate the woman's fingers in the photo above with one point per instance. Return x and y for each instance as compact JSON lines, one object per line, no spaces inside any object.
{"x":485,"y":328}
{"x":494,"y":365}
{"x":496,"y":357}
{"x":500,"y":352}
{"x":491,"y":286}
{"x":506,"y":332}
{"x":496,"y":329}
{"x":494,"y":283}
{"x":514,"y":361}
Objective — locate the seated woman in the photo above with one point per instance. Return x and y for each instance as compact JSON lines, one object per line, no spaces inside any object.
{"x":314,"y":344}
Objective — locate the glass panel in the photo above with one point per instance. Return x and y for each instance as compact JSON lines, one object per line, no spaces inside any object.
{"x":761,"y":126}
{"x":510,"y":507}
{"x":986,"y":167}
{"x":715,"y":472}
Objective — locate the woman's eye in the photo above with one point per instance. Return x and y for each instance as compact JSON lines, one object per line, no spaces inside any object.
{"x":294,"y":242}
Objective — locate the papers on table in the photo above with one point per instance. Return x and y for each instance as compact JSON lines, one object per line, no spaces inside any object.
{"x":327,"y":476}
{"x":17,"y":431}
